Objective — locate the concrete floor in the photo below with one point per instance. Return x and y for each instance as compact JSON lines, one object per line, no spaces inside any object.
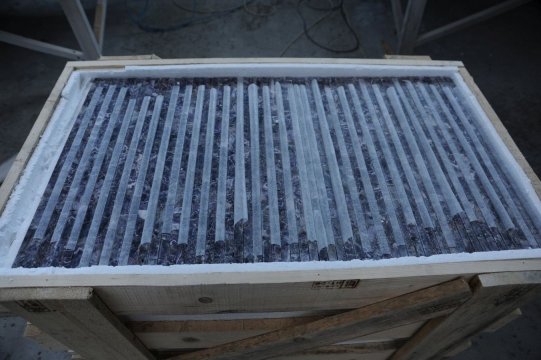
{"x":503,"y":55}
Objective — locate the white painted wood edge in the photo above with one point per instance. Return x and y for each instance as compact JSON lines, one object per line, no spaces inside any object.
{"x":496,"y":143}
{"x":271,"y":273}
{"x":26,"y":195}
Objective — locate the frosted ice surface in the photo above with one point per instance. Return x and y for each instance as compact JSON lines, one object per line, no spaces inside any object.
{"x":183,"y":171}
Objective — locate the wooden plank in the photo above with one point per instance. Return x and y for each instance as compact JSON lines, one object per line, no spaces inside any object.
{"x":77,"y":318}
{"x":498,"y":324}
{"x":502,"y":131}
{"x":458,"y":349}
{"x":45,"y":341}
{"x":110,"y":64}
{"x":408,"y":57}
{"x":371,"y":351}
{"x":380,"y":355}
{"x":494,"y":295}
{"x":197,"y":279}
{"x":172,"y":336}
{"x":129,"y":57}
{"x":367,"y":351}
{"x":5,"y":166}
{"x":33,"y":333}
{"x":32,"y":140}
{"x":254,"y":296}
{"x":138,"y":295}
{"x":420,"y":305}
{"x":395,"y":333}
{"x":189,"y":334}
{"x":365,"y":348}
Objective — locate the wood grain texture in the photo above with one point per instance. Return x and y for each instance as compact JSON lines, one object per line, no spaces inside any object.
{"x":420,"y":305}
{"x":380,"y":355}
{"x":503,"y":321}
{"x":33,"y":333}
{"x":80,"y":65}
{"x":458,"y":349}
{"x":190,"y":334}
{"x":254,"y":297}
{"x":494,"y":296}
{"x":77,"y":318}
{"x":241,"y":274}
{"x":375,"y":351}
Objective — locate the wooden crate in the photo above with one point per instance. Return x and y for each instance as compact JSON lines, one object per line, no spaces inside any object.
{"x":391,"y":310}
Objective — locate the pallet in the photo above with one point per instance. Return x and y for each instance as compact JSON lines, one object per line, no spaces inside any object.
{"x":399,"y":311}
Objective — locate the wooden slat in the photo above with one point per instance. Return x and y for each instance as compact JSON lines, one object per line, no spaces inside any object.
{"x":129,"y":57}
{"x":77,"y":318}
{"x":460,"y":347}
{"x":380,"y":355}
{"x":494,"y":295}
{"x":368,"y":351}
{"x":33,"y":333}
{"x":190,"y":334}
{"x":501,"y":322}
{"x":255,"y":296}
{"x":395,"y":333}
{"x":81,"y":65}
{"x":408,"y":57}
{"x":190,"y":281}
{"x":424,"y":304}
{"x":374,"y":343}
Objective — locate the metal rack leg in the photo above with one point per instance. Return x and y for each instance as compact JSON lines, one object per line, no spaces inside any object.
{"x":407,"y":34}
{"x":81,"y":28}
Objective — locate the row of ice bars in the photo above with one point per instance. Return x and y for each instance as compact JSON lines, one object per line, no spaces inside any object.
{"x":414,"y":106}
